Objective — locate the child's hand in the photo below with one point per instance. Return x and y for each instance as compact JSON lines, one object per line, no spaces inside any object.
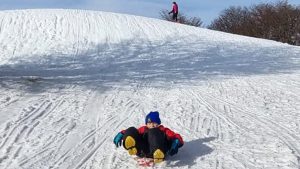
{"x":174,"y":147}
{"x":118,"y":139}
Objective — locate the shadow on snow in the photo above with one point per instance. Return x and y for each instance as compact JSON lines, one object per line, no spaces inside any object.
{"x":191,"y":151}
{"x":142,"y":62}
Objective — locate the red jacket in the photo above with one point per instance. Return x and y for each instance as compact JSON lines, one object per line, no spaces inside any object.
{"x":175,"y":8}
{"x":171,"y":135}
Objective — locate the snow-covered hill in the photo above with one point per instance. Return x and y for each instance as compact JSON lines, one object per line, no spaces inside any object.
{"x":71,"y":79}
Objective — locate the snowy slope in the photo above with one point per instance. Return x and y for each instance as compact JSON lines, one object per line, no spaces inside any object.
{"x":71,"y":79}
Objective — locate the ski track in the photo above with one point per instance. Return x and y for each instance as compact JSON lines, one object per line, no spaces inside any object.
{"x":284,"y":133}
{"x":208,"y":116}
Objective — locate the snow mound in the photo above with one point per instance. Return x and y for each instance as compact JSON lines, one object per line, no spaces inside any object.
{"x":101,"y":46}
{"x":26,"y":33}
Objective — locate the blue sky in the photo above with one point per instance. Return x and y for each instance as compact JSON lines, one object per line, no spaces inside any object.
{"x":207,"y":10}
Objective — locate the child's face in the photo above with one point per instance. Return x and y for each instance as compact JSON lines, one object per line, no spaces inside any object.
{"x":152,"y":125}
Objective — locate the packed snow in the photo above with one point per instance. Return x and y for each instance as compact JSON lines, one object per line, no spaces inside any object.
{"x":70,"y":80}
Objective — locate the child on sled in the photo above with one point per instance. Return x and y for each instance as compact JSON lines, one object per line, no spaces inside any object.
{"x":151,"y":141}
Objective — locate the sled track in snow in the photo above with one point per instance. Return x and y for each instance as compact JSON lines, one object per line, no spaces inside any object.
{"x":215,"y":112}
{"x":282,"y":132}
{"x":108,"y":128}
{"x":205,"y":116}
{"x":19,"y":130}
{"x":84,"y":150}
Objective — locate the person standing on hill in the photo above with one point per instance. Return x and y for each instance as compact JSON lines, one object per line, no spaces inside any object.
{"x":174,"y":11}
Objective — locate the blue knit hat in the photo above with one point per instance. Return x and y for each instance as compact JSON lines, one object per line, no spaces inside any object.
{"x":152,"y":117}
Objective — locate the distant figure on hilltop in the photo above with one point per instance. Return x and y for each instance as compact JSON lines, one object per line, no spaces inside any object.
{"x":174,"y":11}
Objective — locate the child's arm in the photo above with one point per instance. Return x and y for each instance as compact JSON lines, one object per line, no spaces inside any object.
{"x":122,"y":131}
{"x":172,"y":135}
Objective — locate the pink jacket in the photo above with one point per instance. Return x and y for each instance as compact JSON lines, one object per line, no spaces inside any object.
{"x":175,"y":8}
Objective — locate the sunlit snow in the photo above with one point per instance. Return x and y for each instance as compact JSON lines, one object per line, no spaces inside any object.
{"x":70,"y":80}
